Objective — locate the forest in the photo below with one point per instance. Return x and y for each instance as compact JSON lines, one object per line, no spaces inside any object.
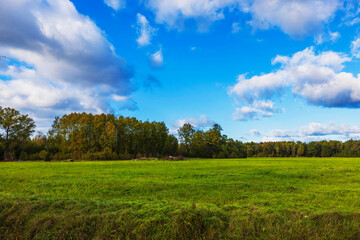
{"x":87,"y":136}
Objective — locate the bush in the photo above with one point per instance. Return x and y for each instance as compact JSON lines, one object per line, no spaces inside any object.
{"x":34,"y":157}
{"x":100,"y":156}
{"x":23,"y":156}
{"x":43,"y":154}
{"x":61,"y":156}
{"x":47,"y":157}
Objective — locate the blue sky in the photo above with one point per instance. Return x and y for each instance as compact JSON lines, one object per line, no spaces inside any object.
{"x":264,"y":70}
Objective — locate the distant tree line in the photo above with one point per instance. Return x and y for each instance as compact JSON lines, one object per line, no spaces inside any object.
{"x":350,"y":148}
{"x":105,"y":136}
{"x":87,"y":136}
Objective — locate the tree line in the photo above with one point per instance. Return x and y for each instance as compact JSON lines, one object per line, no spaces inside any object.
{"x":107,"y":137}
{"x":350,"y":148}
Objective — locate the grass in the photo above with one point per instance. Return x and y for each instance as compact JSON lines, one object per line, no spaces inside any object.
{"x":256,"y":198}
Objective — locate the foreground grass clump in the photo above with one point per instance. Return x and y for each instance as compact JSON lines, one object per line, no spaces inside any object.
{"x":270,"y":198}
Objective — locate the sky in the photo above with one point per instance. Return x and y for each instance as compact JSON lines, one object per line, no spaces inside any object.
{"x":275,"y":70}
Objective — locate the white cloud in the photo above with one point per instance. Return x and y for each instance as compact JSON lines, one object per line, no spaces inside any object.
{"x":255,"y":132}
{"x":334,"y":36}
{"x":318,"y":78}
{"x":118,"y":98}
{"x":282,"y":133}
{"x":236,"y":27}
{"x":355,"y":47}
{"x":259,"y":109}
{"x":329,"y":36}
{"x":170,"y":12}
{"x":296,"y":18}
{"x":61,"y":61}
{"x":353,"y":21}
{"x":156,"y":59}
{"x":202,"y":122}
{"x":145,"y":31}
{"x":312,"y":132}
{"x":318,"y":129}
{"x":115,"y":4}
{"x":30,"y":91}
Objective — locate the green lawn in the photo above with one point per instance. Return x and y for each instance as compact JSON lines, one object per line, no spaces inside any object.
{"x":267,"y":198}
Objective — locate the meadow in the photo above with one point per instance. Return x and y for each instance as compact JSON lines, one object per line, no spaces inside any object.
{"x":254,"y":198}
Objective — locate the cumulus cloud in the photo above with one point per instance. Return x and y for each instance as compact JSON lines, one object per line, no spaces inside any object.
{"x":60,"y":60}
{"x":170,"y":12}
{"x":282,"y":133}
{"x":145,"y":31}
{"x":318,"y":129}
{"x":258,"y":109}
{"x":296,"y":18}
{"x":202,"y":122}
{"x":156,"y":59}
{"x":312,"y":132}
{"x":115,"y":4}
{"x":318,"y":78}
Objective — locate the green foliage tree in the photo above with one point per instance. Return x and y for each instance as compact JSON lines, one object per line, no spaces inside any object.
{"x":15,"y":128}
{"x":186,"y":133}
{"x":171,"y":146}
{"x":300,"y":149}
{"x":104,"y":136}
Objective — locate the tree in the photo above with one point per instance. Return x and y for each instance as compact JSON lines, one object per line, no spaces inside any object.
{"x":198,"y":146}
{"x":186,"y":133}
{"x":300,"y":149}
{"x":214,"y":140}
{"x":171,"y":146}
{"x":14,"y":127}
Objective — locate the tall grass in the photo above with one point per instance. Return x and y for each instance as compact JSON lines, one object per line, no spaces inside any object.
{"x":264,"y":198}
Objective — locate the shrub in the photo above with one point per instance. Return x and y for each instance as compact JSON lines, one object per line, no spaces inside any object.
{"x":34,"y":156}
{"x":43,"y":154}
{"x":61,"y":156}
{"x":23,"y":156}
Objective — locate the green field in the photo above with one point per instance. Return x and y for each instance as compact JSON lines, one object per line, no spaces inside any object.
{"x":256,"y":198}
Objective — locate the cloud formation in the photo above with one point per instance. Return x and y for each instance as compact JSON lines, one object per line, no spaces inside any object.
{"x":355,"y":47}
{"x":171,"y":12}
{"x":312,"y":132}
{"x":258,"y":109}
{"x":145,"y":31}
{"x":60,"y":60}
{"x":115,"y":4}
{"x":156,"y":59}
{"x":318,"y":78}
{"x":297,"y":18}
{"x":318,"y":129}
{"x":202,"y":122}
